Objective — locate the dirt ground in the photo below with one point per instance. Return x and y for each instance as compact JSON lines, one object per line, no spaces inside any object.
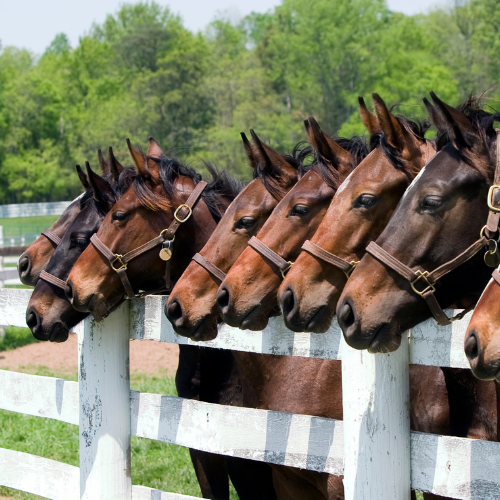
{"x":145,"y":356}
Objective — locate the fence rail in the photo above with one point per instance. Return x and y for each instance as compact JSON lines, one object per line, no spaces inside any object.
{"x":33,"y":209}
{"x":453,"y":467}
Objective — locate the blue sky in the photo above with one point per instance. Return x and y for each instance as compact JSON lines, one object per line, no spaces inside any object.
{"x":32,"y":24}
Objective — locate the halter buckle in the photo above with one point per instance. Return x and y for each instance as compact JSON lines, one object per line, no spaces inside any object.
{"x":284,"y":271}
{"x":490,"y":198}
{"x":123,"y":265}
{"x":353,"y":263}
{"x":422,"y":275}
{"x":176,"y":213}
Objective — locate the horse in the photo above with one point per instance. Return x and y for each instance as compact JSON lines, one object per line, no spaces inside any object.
{"x":191,"y":306}
{"x":247,"y":296}
{"x":283,"y":383}
{"x":208,"y":375}
{"x":357,"y":214}
{"x":436,"y":227}
{"x":36,"y":257}
{"x":482,"y":341}
{"x":50,"y":315}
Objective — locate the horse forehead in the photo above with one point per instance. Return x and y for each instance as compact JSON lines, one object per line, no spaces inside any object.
{"x":253,"y":196}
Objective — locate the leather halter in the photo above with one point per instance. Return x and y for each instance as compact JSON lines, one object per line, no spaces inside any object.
{"x":119,"y":263}
{"x":283,"y":265}
{"x":53,"y":280}
{"x":336,"y":261}
{"x":330,"y":258}
{"x":422,"y":282}
{"x":212,"y":269}
{"x":52,"y":237}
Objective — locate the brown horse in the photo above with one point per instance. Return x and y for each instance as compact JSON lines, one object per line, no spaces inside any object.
{"x":247,"y":296}
{"x":204,"y":374}
{"x":482,"y":340}
{"x":439,"y":218}
{"x":36,"y":257}
{"x":359,"y":211}
{"x":192,"y":307}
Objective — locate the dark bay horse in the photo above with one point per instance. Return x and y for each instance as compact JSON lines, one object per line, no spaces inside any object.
{"x":247,"y":296}
{"x":36,"y":257}
{"x":204,"y":374}
{"x":192,"y":307}
{"x":359,"y":211}
{"x":439,"y":218}
{"x":50,"y":315}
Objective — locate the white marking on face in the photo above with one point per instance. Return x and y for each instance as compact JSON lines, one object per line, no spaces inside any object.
{"x":345,"y":183}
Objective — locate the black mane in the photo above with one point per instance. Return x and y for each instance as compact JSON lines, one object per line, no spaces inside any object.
{"x":297,"y":159}
{"x":170,"y":169}
{"x":358,"y":149}
{"x":414,"y":127}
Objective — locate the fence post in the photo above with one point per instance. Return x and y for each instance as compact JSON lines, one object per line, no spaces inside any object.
{"x":375,"y":389}
{"x":2,"y":284}
{"x":103,"y":353}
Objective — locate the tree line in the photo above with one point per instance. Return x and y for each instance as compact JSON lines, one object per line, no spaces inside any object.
{"x":141,"y":74}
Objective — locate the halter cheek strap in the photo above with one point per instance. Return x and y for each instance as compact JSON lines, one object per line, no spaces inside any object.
{"x":52,"y":237}
{"x":282,"y":264}
{"x":212,"y":269}
{"x":166,"y":238}
{"x":330,"y":258}
{"x":53,"y":280}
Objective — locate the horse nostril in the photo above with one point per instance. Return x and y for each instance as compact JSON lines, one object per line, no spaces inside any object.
{"x":68,"y":290}
{"x":346,"y":316}
{"x":173,"y":310}
{"x":287,"y":302}
{"x":32,"y":320}
{"x":223,"y":299}
{"x":472,"y":346}
{"x":24,"y":266}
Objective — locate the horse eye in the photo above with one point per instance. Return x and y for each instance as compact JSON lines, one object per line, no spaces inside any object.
{"x":299,"y":210}
{"x":80,"y":242}
{"x":432,"y":202}
{"x":119,"y":216}
{"x":245,"y":223}
{"x":366,"y":200}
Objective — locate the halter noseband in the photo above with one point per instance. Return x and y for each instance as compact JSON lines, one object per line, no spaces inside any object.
{"x":422,"y":282}
{"x":119,"y":263}
{"x":52,"y":237}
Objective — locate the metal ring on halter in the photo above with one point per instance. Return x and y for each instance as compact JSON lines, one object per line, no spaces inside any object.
{"x":118,"y":258}
{"x":180,"y":221}
{"x":481,"y":234}
{"x":422,"y":275}
{"x":284,"y":271}
{"x":353,"y":263}
{"x":490,"y":198}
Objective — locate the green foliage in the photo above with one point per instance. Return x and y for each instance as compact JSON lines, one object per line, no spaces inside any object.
{"x":16,"y":337}
{"x":141,"y":73}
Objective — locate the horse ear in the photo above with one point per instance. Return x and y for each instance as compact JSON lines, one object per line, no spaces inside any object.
{"x":368,"y":118}
{"x":139,"y":160}
{"x":154,"y":149}
{"x":252,"y":159}
{"x":274,"y":163}
{"x":154,"y":153}
{"x":337,"y":156}
{"x":115,"y":166}
{"x":434,"y":114}
{"x":454,"y":122}
{"x":389,"y":124}
{"x":83,"y":178}
{"x":102,"y":162}
{"x":103,"y":193}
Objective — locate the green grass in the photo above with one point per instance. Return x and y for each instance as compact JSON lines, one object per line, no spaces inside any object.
{"x":26,"y":225}
{"x":16,"y":337}
{"x":158,"y":465}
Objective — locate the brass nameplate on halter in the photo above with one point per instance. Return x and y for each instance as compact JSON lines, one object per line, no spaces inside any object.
{"x":166,"y":251}
{"x":491,"y":257}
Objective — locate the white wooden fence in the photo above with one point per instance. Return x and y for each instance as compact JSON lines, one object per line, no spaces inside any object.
{"x":373,"y":447}
{"x":33,"y":209}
